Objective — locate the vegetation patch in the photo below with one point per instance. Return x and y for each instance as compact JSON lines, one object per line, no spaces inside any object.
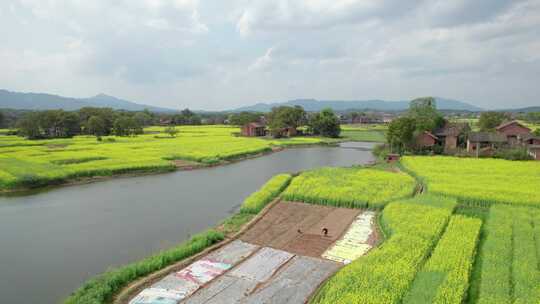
{"x":350,"y":187}
{"x":384,"y":275}
{"x":479,"y":182}
{"x":258,"y":200}
{"x":445,"y":276}
{"x":71,"y":161}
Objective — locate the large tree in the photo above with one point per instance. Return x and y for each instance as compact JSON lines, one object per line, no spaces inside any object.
{"x":29,"y":127}
{"x":325,"y":123}
{"x":400,"y":135}
{"x":240,"y":119}
{"x":286,"y":117}
{"x":2,"y":118}
{"x":490,"y":120}
{"x":96,"y":126}
{"x":424,"y":112}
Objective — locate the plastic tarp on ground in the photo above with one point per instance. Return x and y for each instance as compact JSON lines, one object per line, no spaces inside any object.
{"x":354,"y":243}
{"x":156,"y":296}
{"x":188,"y":280}
{"x":261,"y":266}
{"x":292,"y":282}
{"x":295,"y":283}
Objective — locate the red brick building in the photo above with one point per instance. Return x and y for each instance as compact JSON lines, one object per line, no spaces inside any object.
{"x":449,"y":135}
{"x":513,"y":131}
{"x":426,"y":139}
{"x":253,"y":129}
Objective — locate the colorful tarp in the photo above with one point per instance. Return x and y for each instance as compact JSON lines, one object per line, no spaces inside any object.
{"x":185,"y":282}
{"x":354,"y":243}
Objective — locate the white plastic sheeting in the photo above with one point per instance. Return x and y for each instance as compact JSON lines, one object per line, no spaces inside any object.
{"x":156,"y":296}
{"x":261,"y":266}
{"x":185,"y":282}
{"x":354,"y":243}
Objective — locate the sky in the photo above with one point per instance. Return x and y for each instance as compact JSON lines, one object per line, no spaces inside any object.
{"x":214,"y":55}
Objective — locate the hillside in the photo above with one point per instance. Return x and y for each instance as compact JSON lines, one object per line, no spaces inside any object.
{"x":342,"y":105}
{"x":40,"y":101}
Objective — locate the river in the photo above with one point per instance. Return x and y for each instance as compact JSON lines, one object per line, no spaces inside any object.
{"x":54,"y":240}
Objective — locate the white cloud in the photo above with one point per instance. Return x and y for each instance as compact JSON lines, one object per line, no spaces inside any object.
{"x":219,"y":54}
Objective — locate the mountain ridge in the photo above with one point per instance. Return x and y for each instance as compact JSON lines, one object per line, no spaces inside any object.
{"x":44,"y":101}
{"x":371,"y":104}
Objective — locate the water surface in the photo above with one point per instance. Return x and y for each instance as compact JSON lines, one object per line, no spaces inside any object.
{"x":51,"y":242}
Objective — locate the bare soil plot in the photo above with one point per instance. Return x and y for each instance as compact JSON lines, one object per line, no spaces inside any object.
{"x":297,"y":227}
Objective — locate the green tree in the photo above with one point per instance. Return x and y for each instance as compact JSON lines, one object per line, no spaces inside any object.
{"x":400,"y":135}
{"x":2,"y":119}
{"x":243,"y":118}
{"x":29,"y":127}
{"x":424,"y":112}
{"x":490,"y":120}
{"x":325,"y":123}
{"x":96,"y":126}
{"x":537,"y":132}
{"x":285,"y":117}
{"x":126,"y":126}
{"x":533,"y":117}
{"x":143,"y":119}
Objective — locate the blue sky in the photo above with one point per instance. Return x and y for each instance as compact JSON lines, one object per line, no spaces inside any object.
{"x":212,"y":54}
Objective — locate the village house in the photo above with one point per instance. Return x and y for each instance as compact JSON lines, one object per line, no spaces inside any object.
{"x":530,"y":139}
{"x":426,"y":139}
{"x":253,"y":129}
{"x":534,"y":151}
{"x":450,"y":134}
{"x":485,"y":143}
{"x":285,"y":132}
{"x":513,"y":131}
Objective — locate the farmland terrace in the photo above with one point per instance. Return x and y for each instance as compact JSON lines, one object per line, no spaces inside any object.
{"x":282,"y":258}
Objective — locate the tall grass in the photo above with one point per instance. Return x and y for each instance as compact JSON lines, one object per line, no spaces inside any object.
{"x":102,"y":288}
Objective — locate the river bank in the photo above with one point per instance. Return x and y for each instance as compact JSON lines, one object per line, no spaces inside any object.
{"x":80,"y":231}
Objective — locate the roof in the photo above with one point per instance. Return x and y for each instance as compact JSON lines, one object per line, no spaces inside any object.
{"x":508,"y":123}
{"x":486,"y":137}
{"x":530,"y":136}
{"x":534,"y":147}
{"x":452,"y":129}
{"x":255,"y":125}
{"x":431,"y":135}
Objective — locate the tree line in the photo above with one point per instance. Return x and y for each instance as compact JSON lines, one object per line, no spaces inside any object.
{"x":324,"y":123}
{"x":96,"y":121}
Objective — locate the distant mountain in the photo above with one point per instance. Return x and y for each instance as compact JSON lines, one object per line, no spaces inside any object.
{"x":523,"y":110}
{"x":40,"y":101}
{"x":343,"y":105}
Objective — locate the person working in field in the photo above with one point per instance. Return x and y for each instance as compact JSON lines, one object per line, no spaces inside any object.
{"x":325,"y":231}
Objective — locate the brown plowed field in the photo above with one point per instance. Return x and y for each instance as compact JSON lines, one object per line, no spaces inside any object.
{"x":279,"y":228}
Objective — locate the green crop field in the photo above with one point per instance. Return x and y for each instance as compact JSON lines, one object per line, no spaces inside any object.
{"x":371,"y":133}
{"x":350,"y":187}
{"x":31,"y":163}
{"x":479,"y":181}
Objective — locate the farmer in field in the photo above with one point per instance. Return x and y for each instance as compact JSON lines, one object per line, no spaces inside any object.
{"x":325,"y":231}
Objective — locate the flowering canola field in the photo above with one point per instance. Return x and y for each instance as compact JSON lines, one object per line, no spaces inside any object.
{"x":479,"y":181}
{"x":349,"y":187}
{"x":31,"y":163}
